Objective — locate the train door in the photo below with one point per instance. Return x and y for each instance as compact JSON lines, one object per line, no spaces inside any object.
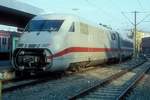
{"x":93,"y":43}
{"x":90,"y":43}
{"x":84,"y":30}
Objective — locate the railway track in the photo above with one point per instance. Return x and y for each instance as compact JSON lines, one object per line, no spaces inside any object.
{"x":18,"y":83}
{"x":21,"y":84}
{"x":71,"y":86}
{"x":114,"y":87}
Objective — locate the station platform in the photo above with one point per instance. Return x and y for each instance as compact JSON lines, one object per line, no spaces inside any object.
{"x":5,"y":65}
{"x":6,"y":70}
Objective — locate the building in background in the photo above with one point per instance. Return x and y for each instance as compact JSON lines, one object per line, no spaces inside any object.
{"x":146,"y":46}
{"x":139,"y":36}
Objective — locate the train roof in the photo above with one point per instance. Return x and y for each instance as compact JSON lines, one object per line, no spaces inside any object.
{"x":67,"y":16}
{"x":55,"y":16}
{"x":6,"y":33}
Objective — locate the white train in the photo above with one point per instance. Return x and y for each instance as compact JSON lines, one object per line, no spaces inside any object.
{"x":55,"y":42}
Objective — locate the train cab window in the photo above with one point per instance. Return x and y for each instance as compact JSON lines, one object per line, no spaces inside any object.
{"x":113,"y":36}
{"x":72,"y":27}
{"x":44,"y":25}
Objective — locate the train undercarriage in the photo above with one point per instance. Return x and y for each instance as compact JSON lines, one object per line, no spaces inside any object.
{"x":32,"y":59}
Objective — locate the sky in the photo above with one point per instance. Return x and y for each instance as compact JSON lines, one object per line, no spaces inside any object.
{"x":114,"y":13}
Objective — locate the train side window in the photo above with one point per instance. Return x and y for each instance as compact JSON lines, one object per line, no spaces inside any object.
{"x":4,"y":41}
{"x":0,"y":43}
{"x":83,"y":28}
{"x":72,"y":27}
{"x":113,"y":36}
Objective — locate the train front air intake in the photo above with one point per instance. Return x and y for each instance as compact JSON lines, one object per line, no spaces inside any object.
{"x":32,"y":59}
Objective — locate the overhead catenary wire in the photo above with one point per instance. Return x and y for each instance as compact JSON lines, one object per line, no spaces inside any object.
{"x":95,"y":6}
{"x":100,"y":9}
{"x":127,"y":18}
{"x":124,"y":15}
{"x":143,"y":19}
{"x":139,"y":2}
{"x":118,"y":7}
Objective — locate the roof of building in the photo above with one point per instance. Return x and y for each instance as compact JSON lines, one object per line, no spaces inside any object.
{"x":15,"y":13}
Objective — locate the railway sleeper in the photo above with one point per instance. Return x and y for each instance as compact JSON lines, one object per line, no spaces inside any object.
{"x":93,"y":97}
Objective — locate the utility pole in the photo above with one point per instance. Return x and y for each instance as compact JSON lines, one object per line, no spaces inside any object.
{"x":135,"y":31}
{"x":135,"y":23}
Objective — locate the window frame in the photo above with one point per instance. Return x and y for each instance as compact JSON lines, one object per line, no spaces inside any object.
{"x":55,"y":25}
{"x":72,"y":27}
{"x":113,"y":36}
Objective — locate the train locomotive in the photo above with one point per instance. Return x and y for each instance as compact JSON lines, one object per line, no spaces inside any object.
{"x":57,"y":42}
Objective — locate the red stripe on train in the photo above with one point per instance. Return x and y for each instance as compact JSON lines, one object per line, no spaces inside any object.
{"x":82,"y":49}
